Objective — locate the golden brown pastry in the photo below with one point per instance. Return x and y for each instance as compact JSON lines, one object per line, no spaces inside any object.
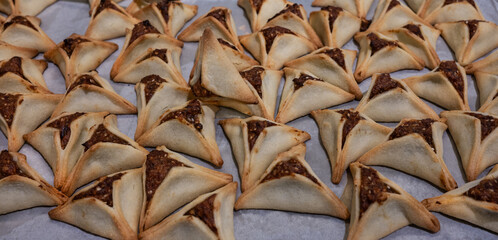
{"x":8,"y":51}
{"x":108,"y":20}
{"x":439,"y":11}
{"x":259,"y":12}
{"x":24,"y":7}
{"x":489,"y":64}
{"x":334,"y":26}
{"x":25,"y":32}
{"x":487,"y":83}
{"x":22,"y":75}
{"x":357,"y":7}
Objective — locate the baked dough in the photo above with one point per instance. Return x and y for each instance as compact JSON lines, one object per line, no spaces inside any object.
{"x":357,"y":7}
{"x":259,"y":12}
{"x":439,"y":11}
{"x":487,"y":83}
{"x":22,"y":75}
{"x":24,"y":7}
{"x":7,"y":51}
{"x":108,"y":20}
{"x":489,"y":64}
{"x":25,"y":32}
{"x":334,"y":26}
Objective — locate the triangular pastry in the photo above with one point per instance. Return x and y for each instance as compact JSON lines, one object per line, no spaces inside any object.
{"x":25,"y":31}
{"x":170,"y":181}
{"x":439,"y":11}
{"x":445,"y":86}
{"x":60,"y":141}
{"x":22,"y":75}
{"x":379,"y":206}
{"x":417,"y":5}
{"x":334,"y":26}
{"x":357,"y":7}
{"x":106,"y":151}
{"x":8,"y":51}
{"x":391,"y":100}
{"x":210,"y":216}
{"x":270,"y":46}
{"x":155,"y":95}
{"x":475,"y":202}
{"x":167,"y":16}
{"x":381,"y":54}
{"x":476,"y":137}
{"x":487,"y":83}
{"x":192,"y":124}
{"x":93,"y":2}
{"x":346,"y":135}
{"x":109,"y":207}
{"x":414,"y":147}
{"x":213,"y":75}
{"x":79,"y":54}
{"x":24,"y":7}
{"x":303,"y":92}
{"x":108,"y":20}
{"x":239,"y":59}
{"x":295,"y":18}
{"x":23,"y":113}
{"x":221,"y":23}
{"x":259,"y":12}
{"x":89,"y":92}
{"x":142,"y":37}
{"x":256,"y":142}
{"x":289,"y":184}
{"x":469,"y":39}
{"x":391,"y":14}
{"x":489,"y":64}
{"x":21,"y":187}
{"x":332,"y":65}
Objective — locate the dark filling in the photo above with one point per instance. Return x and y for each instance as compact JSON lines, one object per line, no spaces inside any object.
{"x":257,"y":4}
{"x":333,"y":14}
{"x":372,"y":189}
{"x":472,"y":25}
{"x":104,"y":4}
{"x":82,"y":80}
{"x":164,"y":8}
{"x":9,"y":167}
{"x":271,"y":33}
{"x":488,"y":123}
{"x":294,"y":8}
{"x":496,"y":95}
{"x":204,"y":211}
{"x":223,"y":42}
{"x":450,"y":70}
{"x":299,"y":82}
{"x":365,"y":24}
{"x":190,"y":113}
{"x":392,"y":4}
{"x":160,"y":53}
{"x":220,"y":15}
{"x":140,"y":29}
{"x":446,"y":2}
{"x":63,"y":124}
{"x":199,"y":91}
{"x":253,"y":76}
{"x":19,"y":20}
{"x":336,"y":55}
{"x":13,"y":65}
{"x":103,"y":135}
{"x":157,"y":167}
{"x":8,"y":105}
{"x":70,"y":44}
{"x":351,"y":119}
{"x":383,"y":84}
{"x":486,"y":190}
{"x":254,"y":128}
{"x":377,"y":43}
{"x":415,"y":29}
{"x":421,"y":127}
{"x":289,"y":168}
{"x":103,"y":190}
{"x":152,"y":83}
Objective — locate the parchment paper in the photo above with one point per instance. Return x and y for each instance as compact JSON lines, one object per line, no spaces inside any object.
{"x":66,"y":17}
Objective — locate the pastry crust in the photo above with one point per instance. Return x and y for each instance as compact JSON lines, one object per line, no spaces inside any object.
{"x":476,"y":137}
{"x":416,"y":5}
{"x":303,"y":93}
{"x":256,"y":142}
{"x":60,"y":141}
{"x":469,"y":39}
{"x":489,"y":64}
{"x":209,"y":216}
{"x":192,"y":124}
{"x":438,"y":11}
{"x":22,"y":75}
{"x":332,"y":65}
{"x":25,"y":32}
{"x":346,"y":135}
{"x":259,"y":12}
{"x":79,"y":54}
{"x":24,"y":7}
{"x":108,"y":20}
{"x":113,"y":213}
{"x":7,"y":51}
{"x":24,"y":188}
{"x":414,"y":147}
{"x":357,"y":7}
{"x":461,"y":204}
{"x":391,"y":209}
{"x":106,"y":151}
{"x":24,"y":112}
{"x":289,"y":184}
{"x":392,"y":101}
{"x":391,"y":14}
{"x":445,"y":86}
{"x":237,"y":56}
{"x":334,"y":26}
{"x":89,"y":92}
{"x":487,"y":83}
{"x":168,"y":175}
